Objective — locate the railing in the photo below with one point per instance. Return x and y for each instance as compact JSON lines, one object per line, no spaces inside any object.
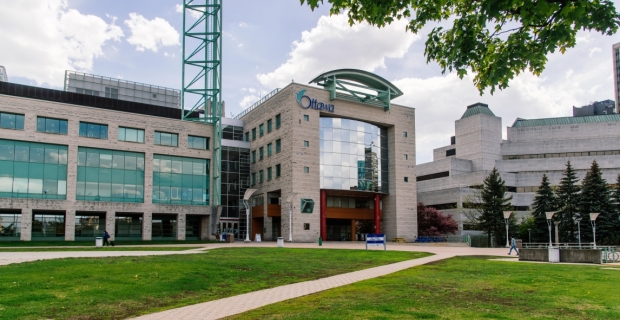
{"x":609,"y":254}
{"x":257,"y":103}
{"x":453,"y":239}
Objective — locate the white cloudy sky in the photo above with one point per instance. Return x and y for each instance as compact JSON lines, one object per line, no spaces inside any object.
{"x":268,"y":43}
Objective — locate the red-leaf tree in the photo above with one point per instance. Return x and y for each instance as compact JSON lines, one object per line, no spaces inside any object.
{"x":434,"y":223}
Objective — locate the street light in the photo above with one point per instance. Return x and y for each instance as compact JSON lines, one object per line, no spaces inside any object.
{"x":593,"y":216}
{"x":289,"y":206}
{"x":578,"y":220}
{"x":549,"y":223}
{"x":506,"y":217}
{"x":529,"y":232}
{"x":246,"y":203}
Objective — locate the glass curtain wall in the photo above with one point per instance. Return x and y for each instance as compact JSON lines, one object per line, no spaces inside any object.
{"x":235,"y":180}
{"x":192,"y":227}
{"x":107,"y":175}
{"x":354,"y":155}
{"x":232,"y":133}
{"x":89,"y":225}
{"x":180,"y":180}
{"x":128,"y":226}
{"x":10,"y":227}
{"x":164,"y":227}
{"x":33,"y":170}
{"x":49,"y":226}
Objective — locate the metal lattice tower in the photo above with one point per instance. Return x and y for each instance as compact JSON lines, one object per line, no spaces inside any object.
{"x":201,"y":93}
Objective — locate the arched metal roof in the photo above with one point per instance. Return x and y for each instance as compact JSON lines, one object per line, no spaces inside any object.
{"x":342,"y":84}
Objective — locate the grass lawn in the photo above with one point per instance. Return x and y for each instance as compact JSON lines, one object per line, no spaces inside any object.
{"x":464,"y":288}
{"x":117,"y":288}
{"x":92,"y":243}
{"x":98,"y":249}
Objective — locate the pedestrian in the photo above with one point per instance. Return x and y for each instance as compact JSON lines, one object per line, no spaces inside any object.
{"x":513,"y":245}
{"x":106,"y":237}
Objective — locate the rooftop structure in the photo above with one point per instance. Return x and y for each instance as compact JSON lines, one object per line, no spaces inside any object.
{"x":595,"y":109}
{"x":3,"y":76}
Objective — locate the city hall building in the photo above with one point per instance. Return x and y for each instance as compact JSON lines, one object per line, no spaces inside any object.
{"x":331,"y":161}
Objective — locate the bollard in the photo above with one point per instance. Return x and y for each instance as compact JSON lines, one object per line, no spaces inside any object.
{"x":320,"y":241}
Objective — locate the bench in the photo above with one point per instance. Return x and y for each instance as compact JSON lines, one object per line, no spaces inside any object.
{"x":398,"y":240}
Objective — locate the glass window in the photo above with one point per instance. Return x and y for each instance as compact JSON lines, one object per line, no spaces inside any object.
{"x":278,"y":145}
{"x":48,"y":226}
{"x":49,"y":125}
{"x":306,"y":117}
{"x":194,"y":142}
{"x":253,"y":178}
{"x":260,"y":176}
{"x":260,"y":153}
{"x":11,"y":121}
{"x":306,"y":170}
{"x":269,"y":126}
{"x":93,"y":130}
{"x":131,"y":134}
{"x":253,"y":134}
{"x":306,"y":143}
{"x":268,"y":173}
{"x":254,"y":156}
{"x":278,"y":121}
{"x":261,"y":130}
{"x":247,"y":137}
{"x":405,"y":134}
{"x":166,"y":139}
{"x":180,"y":180}
{"x":406,"y":179}
{"x":278,"y":172}
{"x":269,"y":149}
{"x":33,"y":170}
{"x":107,"y":175}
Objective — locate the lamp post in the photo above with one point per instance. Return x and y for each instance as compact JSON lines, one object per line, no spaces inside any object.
{"x":246,"y":203}
{"x":529,"y":232}
{"x":549,"y":223}
{"x":506,"y":217}
{"x":289,"y":206}
{"x":593,"y":216}
{"x":578,"y":220}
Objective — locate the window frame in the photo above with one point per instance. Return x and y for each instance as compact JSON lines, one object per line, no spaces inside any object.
{"x":306,"y":117}
{"x":85,"y":135}
{"x":306,"y":144}
{"x":253,"y":134}
{"x":269,"y":149}
{"x":138,"y":134}
{"x":278,"y":145}
{"x":207,"y":142}
{"x":261,"y":153}
{"x":261,"y":130}
{"x":278,"y":170}
{"x":60,"y":121}
{"x":269,"y":126}
{"x":165,"y":145}
{"x":269,"y":174}
{"x":278,"y":121}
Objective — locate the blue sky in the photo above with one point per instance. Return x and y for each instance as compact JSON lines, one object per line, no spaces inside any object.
{"x":267,"y":43}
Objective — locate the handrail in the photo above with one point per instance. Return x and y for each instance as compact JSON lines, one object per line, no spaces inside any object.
{"x":257,"y":103}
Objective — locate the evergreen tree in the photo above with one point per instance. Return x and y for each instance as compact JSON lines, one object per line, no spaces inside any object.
{"x":494,"y":203}
{"x":544,"y":201}
{"x":595,"y":197}
{"x":568,"y":205}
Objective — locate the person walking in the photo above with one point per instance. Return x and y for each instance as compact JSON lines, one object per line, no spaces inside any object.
{"x":513,"y":245}
{"x":106,"y":237}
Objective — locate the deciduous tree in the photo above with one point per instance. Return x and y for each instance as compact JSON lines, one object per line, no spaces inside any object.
{"x":432,"y":222}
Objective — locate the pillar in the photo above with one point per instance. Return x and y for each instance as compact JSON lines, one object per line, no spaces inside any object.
{"x":323,"y":215}
{"x":147,"y":226}
{"x":70,"y":225}
{"x":353,"y":235}
{"x":110,"y":224}
{"x":26,"y":225}
{"x":377,"y":213}
{"x":181,"y":220}
{"x":204,"y":228}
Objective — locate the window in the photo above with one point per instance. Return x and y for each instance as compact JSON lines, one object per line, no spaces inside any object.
{"x":433,"y":176}
{"x":93,"y":130}
{"x":261,"y":153}
{"x":261,"y":130}
{"x":247,"y":137}
{"x":88,"y":92}
{"x":253,"y":178}
{"x":306,"y":169}
{"x":11,"y":121}
{"x":166,"y":139}
{"x":269,"y":174}
{"x":451,"y":152}
{"x":405,"y":134}
{"x":269,"y":149}
{"x":278,"y":146}
{"x":306,"y":117}
{"x":406,"y":157}
{"x":260,"y":176}
{"x":306,"y":226}
{"x":180,"y":180}
{"x":406,"y":179}
{"x":195,"y":142}
{"x":306,"y":143}
{"x":253,"y":134}
{"x":254,"y":156}
{"x":130,"y":134}
{"x":278,"y":171}
{"x":269,"y":126}
{"x":49,"y":125}
{"x":307,"y":205}
{"x":111,"y":93}
{"x":278,"y":121}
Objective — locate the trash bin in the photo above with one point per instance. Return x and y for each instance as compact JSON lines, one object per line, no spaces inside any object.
{"x":99,"y":242}
{"x":280,"y":242}
{"x":554,"y":254}
{"x":230,"y":238}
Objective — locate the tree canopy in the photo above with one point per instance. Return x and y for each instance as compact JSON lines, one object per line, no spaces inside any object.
{"x":544,"y":201}
{"x":432,"y":222}
{"x":496,"y":40}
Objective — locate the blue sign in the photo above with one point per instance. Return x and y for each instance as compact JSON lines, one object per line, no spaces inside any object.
{"x":308,"y":103}
{"x":375,"y":240}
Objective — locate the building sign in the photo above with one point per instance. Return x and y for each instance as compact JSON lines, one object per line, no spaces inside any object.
{"x":308,"y":103}
{"x":375,"y":240}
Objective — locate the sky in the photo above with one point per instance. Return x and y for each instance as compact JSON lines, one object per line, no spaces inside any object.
{"x":269,"y":43}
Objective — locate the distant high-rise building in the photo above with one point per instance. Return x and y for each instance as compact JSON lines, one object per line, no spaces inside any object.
{"x":595,"y":108}
{"x":616,"y":59}
{"x":3,"y":76}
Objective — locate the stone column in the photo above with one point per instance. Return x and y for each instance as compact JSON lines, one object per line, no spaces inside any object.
{"x":204,"y":228}
{"x":26,"y":225}
{"x":70,"y":225}
{"x":110,"y":224}
{"x":147,"y":226}
{"x":181,"y":226}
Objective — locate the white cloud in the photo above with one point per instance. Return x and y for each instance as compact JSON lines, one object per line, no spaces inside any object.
{"x":42,"y":39}
{"x":151,"y":34}
{"x":595,"y":50}
{"x":193,"y":13}
{"x":243,"y":25}
{"x":333,"y":44}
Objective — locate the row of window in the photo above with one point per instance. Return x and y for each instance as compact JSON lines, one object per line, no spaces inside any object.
{"x":563,"y":155}
{"x":261,"y":128}
{"x":261,"y":150}
{"x":100,"y":131}
{"x":278,"y":172}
